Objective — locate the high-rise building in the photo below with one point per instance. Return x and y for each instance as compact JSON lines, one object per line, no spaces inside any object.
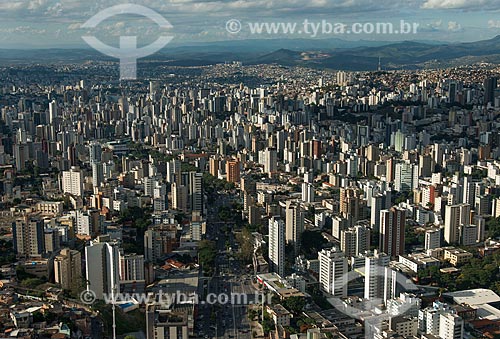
{"x":193,"y":182}
{"x":351,"y":205}
{"x":28,"y":235}
{"x":102,"y":267}
{"x":270,"y":160}
{"x":432,"y":238}
{"x":294,"y":221}
{"x":392,"y":231}
{"x":173,"y":171}
{"x":355,"y":240}
{"x":490,"y":84}
{"x":455,"y":216}
{"x":214,"y":165}
{"x":378,"y":277}
{"x":179,"y":197}
{"x":95,"y":152}
{"x":68,"y":269}
{"x":308,"y":193}
{"x":159,"y":240}
{"x":426,"y":165}
{"x":428,"y":196}
{"x":333,"y":272}
{"x":51,"y":240}
{"x":233,"y":171}
{"x":131,"y":267}
{"x":72,"y":182}
{"x":469,"y":191}
{"x":379,"y":202}
{"x":162,"y":323}
{"x":468,"y":235}
{"x":451,"y":326}
{"x":52,"y":112}
{"x":277,"y":245}
{"x":97,"y":174}
{"x":429,"y":318}
{"x":406,"y":177}
{"x":21,"y":155}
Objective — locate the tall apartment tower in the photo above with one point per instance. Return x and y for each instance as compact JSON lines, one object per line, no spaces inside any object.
{"x":233,"y":171}
{"x":355,"y":240}
{"x":392,"y":231}
{"x":28,"y":235}
{"x":455,"y":216}
{"x":68,"y":269}
{"x":277,"y":245}
{"x":333,"y":272}
{"x":102,"y":258}
{"x":270,"y":160}
{"x":379,"y":202}
{"x":72,"y":181}
{"x":378,"y":276}
{"x":406,"y":178}
{"x":294,"y":221}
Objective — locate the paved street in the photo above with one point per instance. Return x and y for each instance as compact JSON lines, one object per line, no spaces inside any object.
{"x":228,"y":320}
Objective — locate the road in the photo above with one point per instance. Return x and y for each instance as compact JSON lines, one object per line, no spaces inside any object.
{"x":224,"y":320}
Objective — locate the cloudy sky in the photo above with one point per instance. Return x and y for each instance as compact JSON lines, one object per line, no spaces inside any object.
{"x":57,"y":23}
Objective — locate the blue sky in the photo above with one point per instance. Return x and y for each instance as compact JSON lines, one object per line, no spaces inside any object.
{"x":56,"y":23}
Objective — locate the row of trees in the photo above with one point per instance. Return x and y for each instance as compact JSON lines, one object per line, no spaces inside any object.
{"x":207,"y":252}
{"x":478,"y":273}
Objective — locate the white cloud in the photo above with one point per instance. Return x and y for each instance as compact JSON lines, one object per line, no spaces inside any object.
{"x":494,"y":23}
{"x":462,"y":4}
{"x":454,"y":26}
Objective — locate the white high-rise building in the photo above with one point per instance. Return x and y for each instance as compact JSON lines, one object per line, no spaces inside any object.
{"x":52,"y":112}
{"x":455,"y":216}
{"x":102,"y":267}
{"x":97,"y":174}
{"x":451,"y":326}
{"x":277,"y":245}
{"x":468,"y":190}
{"x":432,"y":238}
{"x":173,"y":170}
{"x":308,"y":194}
{"x":440,"y":320}
{"x":333,"y":272}
{"x":72,"y":182}
{"x":378,"y":277}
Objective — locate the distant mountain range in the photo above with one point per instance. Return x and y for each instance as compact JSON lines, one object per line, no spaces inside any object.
{"x":324,"y":53}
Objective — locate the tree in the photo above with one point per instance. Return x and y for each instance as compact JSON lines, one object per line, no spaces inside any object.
{"x":207,"y":252}
{"x":267,"y":323}
{"x":312,"y":242}
{"x":245,"y":239}
{"x":294,"y":304}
